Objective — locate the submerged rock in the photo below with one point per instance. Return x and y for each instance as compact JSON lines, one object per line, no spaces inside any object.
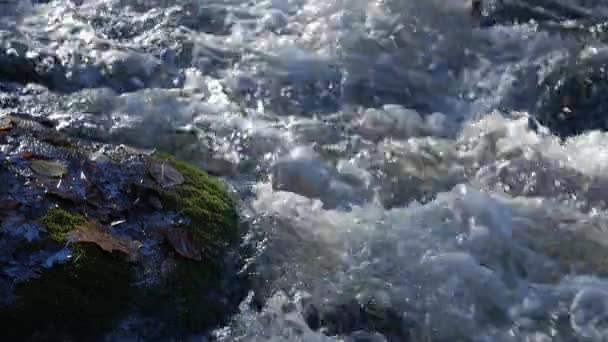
{"x":579,"y":21}
{"x":122,"y":71}
{"x":348,"y":316}
{"x":521,"y":11}
{"x":108,"y":245}
{"x":573,"y":99}
{"x":20,"y":63}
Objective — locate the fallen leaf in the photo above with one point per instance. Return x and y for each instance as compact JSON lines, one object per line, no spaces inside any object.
{"x":94,"y":196}
{"x":27,"y":119}
{"x":164,"y":174}
{"x":66,"y":194}
{"x":39,"y":127}
{"x":137,"y":151}
{"x":27,"y":155}
{"x":54,"y":138}
{"x":5,"y":128}
{"x":184,"y":243}
{"x":98,"y":234}
{"x":49,"y":168}
{"x":30,"y":156}
{"x":25,"y":123}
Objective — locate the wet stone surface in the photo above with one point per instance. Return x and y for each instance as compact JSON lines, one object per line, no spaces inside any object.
{"x":91,"y":244}
{"x":574,"y":101}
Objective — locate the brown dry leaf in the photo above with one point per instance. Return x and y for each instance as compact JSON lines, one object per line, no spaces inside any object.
{"x":164,"y":174}
{"x":31,"y":156}
{"x":27,"y":155}
{"x":98,"y":234}
{"x":184,"y":243}
{"x":49,"y":168}
{"x":5,"y":128}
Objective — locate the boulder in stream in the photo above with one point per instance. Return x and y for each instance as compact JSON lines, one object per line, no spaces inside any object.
{"x":132,"y":244}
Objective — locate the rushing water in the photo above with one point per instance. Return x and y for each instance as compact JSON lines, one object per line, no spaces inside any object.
{"x":395,"y":182}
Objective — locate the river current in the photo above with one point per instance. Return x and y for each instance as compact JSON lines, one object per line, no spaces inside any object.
{"x":394,"y":178}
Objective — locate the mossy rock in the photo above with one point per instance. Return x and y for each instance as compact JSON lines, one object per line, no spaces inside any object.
{"x":160,"y":292}
{"x":87,"y":297}
{"x":203,"y":200}
{"x":78,"y":300}
{"x":187,"y":301}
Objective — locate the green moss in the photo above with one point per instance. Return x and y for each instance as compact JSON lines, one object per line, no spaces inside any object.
{"x":187,"y":302}
{"x":189,"y":299}
{"x":84,"y":298}
{"x":206,"y":203}
{"x":77,"y":300}
{"x":60,"y":223}
{"x":194,"y":288}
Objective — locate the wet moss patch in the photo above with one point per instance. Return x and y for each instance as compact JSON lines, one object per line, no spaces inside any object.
{"x":205,"y":202}
{"x":190,"y":301}
{"x":169,"y":291}
{"x":60,"y":223}
{"x":77,"y":300}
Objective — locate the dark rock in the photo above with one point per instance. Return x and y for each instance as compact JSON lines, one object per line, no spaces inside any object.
{"x":350,"y":316}
{"x":573,"y":99}
{"x":312,"y":317}
{"x":19,"y":63}
{"x":60,"y":281}
{"x":210,"y":19}
{"x":521,"y":11}
{"x":127,"y":71}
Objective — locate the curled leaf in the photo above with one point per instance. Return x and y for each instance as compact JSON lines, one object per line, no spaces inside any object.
{"x":49,"y":168}
{"x":164,"y":174}
{"x":98,"y":234}
{"x":25,"y":122}
{"x":27,"y":155}
{"x":184,"y":243}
